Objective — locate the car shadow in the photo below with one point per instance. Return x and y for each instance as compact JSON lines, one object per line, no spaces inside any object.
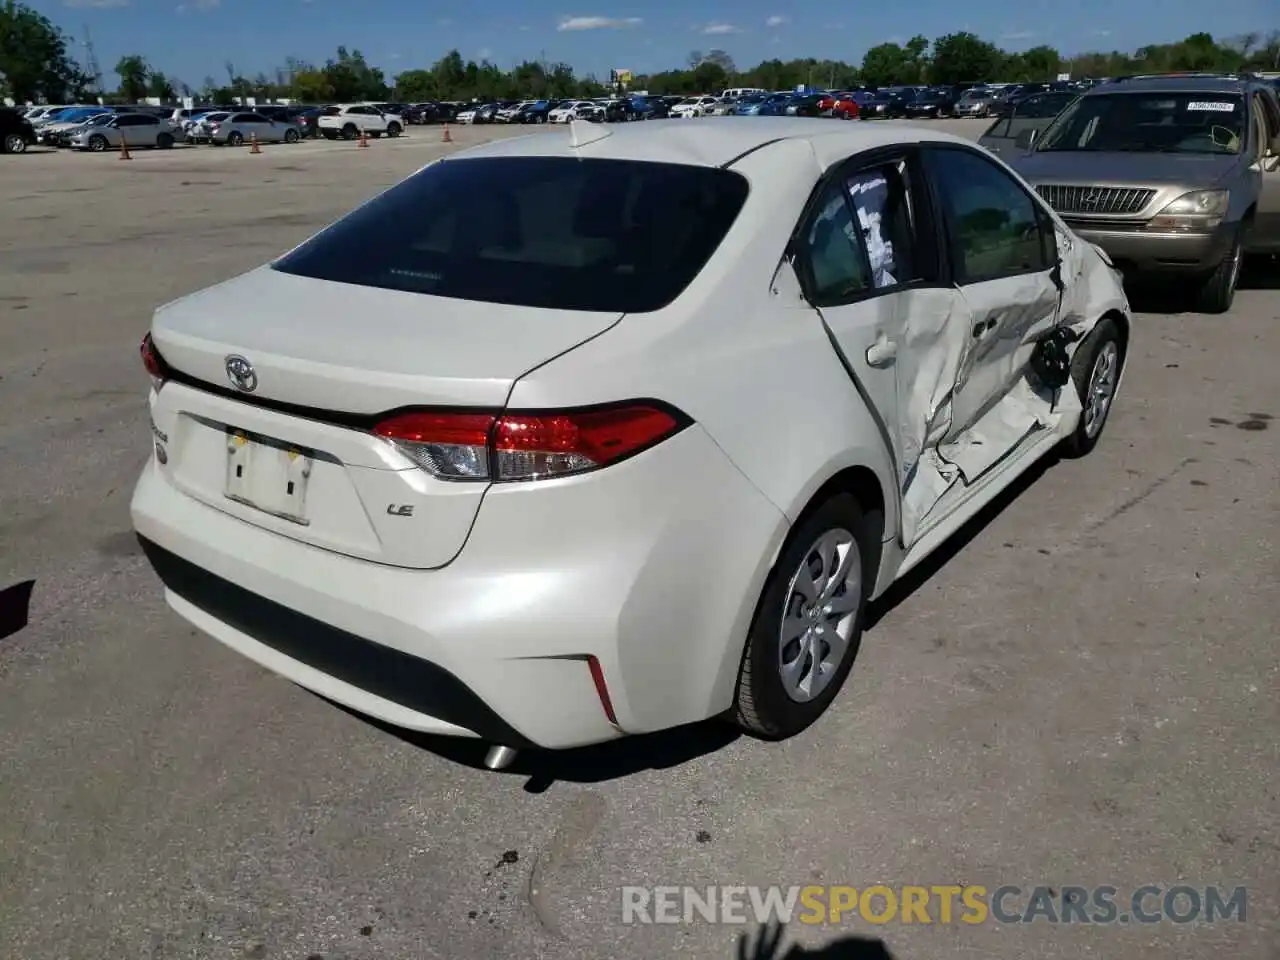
{"x":667,"y":749}
{"x":767,"y":945}
{"x":594,"y":764}
{"x":1172,"y":295}
{"x":915,"y":578}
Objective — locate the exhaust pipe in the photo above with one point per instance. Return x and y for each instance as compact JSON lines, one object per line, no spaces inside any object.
{"x":499,"y":758}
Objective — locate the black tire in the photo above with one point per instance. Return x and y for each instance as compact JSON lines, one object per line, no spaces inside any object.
{"x":349,"y":132}
{"x":330,"y":135}
{"x":291,"y":136}
{"x":394,"y":130}
{"x":165,"y":141}
{"x":1218,"y":290}
{"x":1105,"y":337}
{"x":235,"y":139}
{"x":98,"y":143}
{"x":14,"y":143}
{"x":763,"y":707}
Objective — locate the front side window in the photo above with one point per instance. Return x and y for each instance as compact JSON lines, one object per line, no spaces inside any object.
{"x":1199,"y":123}
{"x":993,"y":225}
{"x":619,"y":236}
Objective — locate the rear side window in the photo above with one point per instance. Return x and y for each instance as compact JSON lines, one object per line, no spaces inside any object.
{"x":617,"y":236}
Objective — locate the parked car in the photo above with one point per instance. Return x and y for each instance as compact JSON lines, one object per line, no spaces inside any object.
{"x":622,"y":111}
{"x":243,"y":126}
{"x":571,"y":110}
{"x":308,"y":121}
{"x":558,"y":330}
{"x":65,"y":137}
{"x":933,"y":104}
{"x":843,"y":106}
{"x":807,"y":105}
{"x":1170,"y":175}
{"x":483,"y":113}
{"x":200,"y":127}
{"x":51,"y":132}
{"x":1029,"y":113}
{"x":58,"y":114}
{"x":975,"y":103}
{"x":348,"y":120}
{"x":888,"y":105}
{"x":133,"y":129}
{"x":693,"y":107}
{"x":16,"y":131}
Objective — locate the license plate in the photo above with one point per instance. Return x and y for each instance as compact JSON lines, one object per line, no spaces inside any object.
{"x":268,"y":475}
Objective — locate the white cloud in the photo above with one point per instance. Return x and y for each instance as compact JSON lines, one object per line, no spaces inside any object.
{"x":775,"y":21}
{"x":1018,"y":35}
{"x":598,"y":23}
{"x":96,"y":4}
{"x":393,"y":56}
{"x":484,"y":54}
{"x":719,"y":29}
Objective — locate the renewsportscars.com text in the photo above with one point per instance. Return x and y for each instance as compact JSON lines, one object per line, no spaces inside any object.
{"x":936,"y":904}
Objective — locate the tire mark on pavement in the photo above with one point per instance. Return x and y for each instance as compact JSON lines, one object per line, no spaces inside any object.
{"x":580,"y":821}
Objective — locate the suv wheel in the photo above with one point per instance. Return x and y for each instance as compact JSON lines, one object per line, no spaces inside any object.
{"x":393,"y":130}
{"x":1218,"y":290}
{"x":15,"y":143}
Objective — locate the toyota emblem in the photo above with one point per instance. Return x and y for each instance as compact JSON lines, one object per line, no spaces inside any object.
{"x":241,"y":374}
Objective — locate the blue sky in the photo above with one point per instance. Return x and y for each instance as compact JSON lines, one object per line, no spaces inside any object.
{"x":192,"y":39}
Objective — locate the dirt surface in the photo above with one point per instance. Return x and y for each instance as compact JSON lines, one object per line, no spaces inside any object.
{"x":1083,"y":691}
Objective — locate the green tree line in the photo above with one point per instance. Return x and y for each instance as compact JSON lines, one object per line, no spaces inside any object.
{"x":36,"y":63}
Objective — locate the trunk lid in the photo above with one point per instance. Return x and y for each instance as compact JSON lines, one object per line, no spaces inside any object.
{"x":344,"y":355}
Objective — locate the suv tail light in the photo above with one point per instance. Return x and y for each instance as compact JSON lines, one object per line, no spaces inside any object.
{"x":151,"y":359}
{"x":528,"y":446}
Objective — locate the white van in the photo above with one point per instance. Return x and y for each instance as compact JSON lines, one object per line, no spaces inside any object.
{"x":737,"y":93}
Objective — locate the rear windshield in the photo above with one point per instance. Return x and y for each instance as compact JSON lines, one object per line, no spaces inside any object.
{"x":618,"y":236}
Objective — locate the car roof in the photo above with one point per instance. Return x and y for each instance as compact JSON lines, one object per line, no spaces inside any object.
{"x":1189,"y":83}
{"x":712,"y":144}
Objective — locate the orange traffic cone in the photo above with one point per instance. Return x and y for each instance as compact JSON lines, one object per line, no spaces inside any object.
{"x":364,"y":138}
{"x":253,"y":143}
{"x":447,"y":138}
{"x":124,"y":148}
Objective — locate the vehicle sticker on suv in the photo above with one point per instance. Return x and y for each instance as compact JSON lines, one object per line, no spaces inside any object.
{"x":1216,"y":106}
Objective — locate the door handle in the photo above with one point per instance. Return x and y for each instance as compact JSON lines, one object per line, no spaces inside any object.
{"x":882,"y":352}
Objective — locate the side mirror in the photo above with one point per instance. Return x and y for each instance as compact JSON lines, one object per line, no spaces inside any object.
{"x":1026,"y":139}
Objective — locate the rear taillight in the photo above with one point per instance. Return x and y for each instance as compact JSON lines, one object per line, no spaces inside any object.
{"x":527,"y":446}
{"x":154,"y":363}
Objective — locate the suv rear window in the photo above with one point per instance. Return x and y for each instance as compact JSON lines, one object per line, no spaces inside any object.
{"x":618,"y":236}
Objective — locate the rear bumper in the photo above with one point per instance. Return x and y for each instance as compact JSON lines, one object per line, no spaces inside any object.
{"x":1160,"y":252}
{"x":652,"y":567}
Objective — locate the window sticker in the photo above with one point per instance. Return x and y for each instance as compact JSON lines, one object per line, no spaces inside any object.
{"x":1215,"y":106}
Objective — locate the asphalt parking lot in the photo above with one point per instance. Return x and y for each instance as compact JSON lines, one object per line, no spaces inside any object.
{"x":1084,"y":692}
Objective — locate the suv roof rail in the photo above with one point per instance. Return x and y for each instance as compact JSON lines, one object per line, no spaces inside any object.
{"x":1188,"y":74}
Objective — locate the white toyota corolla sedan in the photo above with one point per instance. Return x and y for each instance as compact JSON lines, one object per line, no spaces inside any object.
{"x":581,"y":435}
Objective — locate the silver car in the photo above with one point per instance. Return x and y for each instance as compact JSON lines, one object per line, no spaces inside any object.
{"x":1177,"y":175}
{"x":133,"y":129}
{"x":239,"y":128}
{"x":975,"y":103}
